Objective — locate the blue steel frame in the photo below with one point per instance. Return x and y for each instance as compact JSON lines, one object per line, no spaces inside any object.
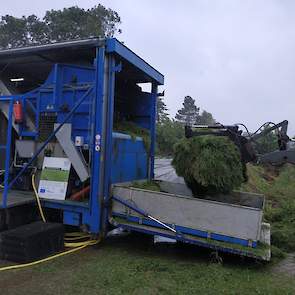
{"x":7,"y":148}
{"x":108,"y":140}
{"x":114,"y":46}
{"x":95,"y":200}
{"x":28,"y":99}
{"x":153,"y":231}
{"x":185,"y":230}
{"x":95,"y":214}
{"x":153,"y":130}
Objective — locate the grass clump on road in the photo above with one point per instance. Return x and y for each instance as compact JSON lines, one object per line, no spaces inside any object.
{"x":209,"y":164}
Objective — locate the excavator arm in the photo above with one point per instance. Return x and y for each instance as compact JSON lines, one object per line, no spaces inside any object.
{"x":246,"y":143}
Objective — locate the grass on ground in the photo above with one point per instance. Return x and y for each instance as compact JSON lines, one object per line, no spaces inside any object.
{"x":130,"y":265}
{"x":277,"y":184}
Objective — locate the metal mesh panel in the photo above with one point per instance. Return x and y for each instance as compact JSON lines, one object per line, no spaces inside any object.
{"x":46,"y":126}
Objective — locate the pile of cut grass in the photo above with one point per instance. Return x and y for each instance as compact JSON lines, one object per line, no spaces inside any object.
{"x":278,"y":187}
{"x":134,"y":131}
{"x":147,"y":185}
{"x":208,"y":164}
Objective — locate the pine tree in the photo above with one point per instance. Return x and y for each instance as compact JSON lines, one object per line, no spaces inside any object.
{"x":206,"y":118}
{"x":162,"y":114}
{"x":189,"y":113}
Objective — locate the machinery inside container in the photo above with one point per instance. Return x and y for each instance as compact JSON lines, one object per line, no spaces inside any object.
{"x":55,"y":88}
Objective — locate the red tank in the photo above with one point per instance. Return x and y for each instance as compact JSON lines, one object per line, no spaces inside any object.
{"x":18,"y":112}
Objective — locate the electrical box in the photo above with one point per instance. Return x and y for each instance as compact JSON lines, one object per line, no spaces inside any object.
{"x":79,"y":141}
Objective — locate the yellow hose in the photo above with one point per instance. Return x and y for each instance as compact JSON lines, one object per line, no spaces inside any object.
{"x":67,"y":238}
{"x":77,"y":234}
{"x":80,"y":244}
{"x":38,"y":199}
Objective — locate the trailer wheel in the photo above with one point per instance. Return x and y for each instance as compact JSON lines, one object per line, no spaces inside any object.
{"x":215,"y":258}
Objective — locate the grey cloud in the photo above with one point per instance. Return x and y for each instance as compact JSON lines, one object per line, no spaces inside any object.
{"x":236,"y":58}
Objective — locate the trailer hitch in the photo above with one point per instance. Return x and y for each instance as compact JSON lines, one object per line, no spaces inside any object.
{"x":142,"y":212}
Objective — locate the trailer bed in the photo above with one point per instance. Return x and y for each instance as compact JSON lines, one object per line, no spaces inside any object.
{"x":231,"y":224}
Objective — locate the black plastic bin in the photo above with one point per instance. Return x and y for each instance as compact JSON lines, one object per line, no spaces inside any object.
{"x":32,"y":241}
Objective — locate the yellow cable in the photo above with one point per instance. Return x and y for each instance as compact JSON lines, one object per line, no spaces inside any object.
{"x":38,"y":199}
{"x":80,"y":244}
{"x":76,"y":238}
{"x":76,"y":234}
{"x":18,"y":266}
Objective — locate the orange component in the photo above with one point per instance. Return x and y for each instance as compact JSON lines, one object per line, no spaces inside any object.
{"x":80,"y":195}
{"x":18,"y":112}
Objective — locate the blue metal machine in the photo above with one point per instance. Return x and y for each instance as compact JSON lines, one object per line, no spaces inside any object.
{"x":85,"y":84}
{"x":63,"y":101}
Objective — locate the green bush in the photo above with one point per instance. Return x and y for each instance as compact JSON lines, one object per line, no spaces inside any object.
{"x":209,"y":164}
{"x":168,"y":133}
{"x":277,"y":253}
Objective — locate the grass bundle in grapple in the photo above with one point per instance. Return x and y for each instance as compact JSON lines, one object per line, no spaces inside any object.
{"x":209,"y":164}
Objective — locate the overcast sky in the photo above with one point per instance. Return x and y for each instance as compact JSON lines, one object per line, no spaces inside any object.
{"x":236,"y":58}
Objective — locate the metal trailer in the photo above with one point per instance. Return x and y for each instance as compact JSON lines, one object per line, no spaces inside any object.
{"x":229,"y":223}
{"x":71,"y":93}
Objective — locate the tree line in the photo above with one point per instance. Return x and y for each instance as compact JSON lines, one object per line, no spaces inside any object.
{"x":171,"y":130}
{"x":58,"y":25}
